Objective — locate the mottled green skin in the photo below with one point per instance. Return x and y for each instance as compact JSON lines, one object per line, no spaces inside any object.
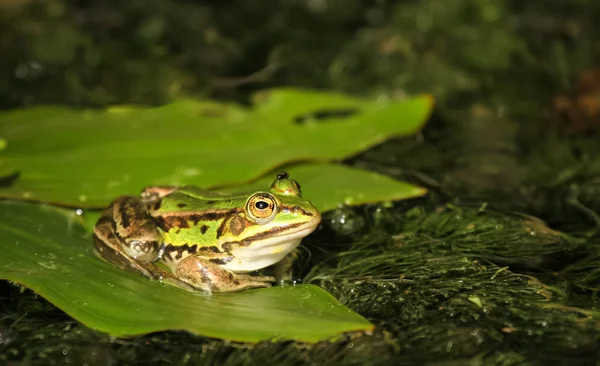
{"x":207,"y":239}
{"x":189,"y":202}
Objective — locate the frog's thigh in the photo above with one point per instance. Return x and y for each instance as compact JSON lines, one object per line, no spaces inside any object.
{"x":135,"y":230}
{"x":208,"y":276}
{"x":108,"y":247}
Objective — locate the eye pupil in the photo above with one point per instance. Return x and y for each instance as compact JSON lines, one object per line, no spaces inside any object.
{"x":261,"y":205}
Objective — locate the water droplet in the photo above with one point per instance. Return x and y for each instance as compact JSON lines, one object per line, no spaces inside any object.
{"x":191,"y":172}
{"x":48,"y":265}
{"x":28,"y":70}
{"x":21,"y":71}
{"x":113,"y":184}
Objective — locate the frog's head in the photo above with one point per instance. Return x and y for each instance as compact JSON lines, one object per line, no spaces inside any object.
{"x":272,"y":224}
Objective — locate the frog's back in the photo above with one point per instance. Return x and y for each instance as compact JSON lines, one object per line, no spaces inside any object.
{"x":195,"y":199}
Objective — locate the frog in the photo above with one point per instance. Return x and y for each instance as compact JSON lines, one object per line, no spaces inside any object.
{"x":206,"y":240}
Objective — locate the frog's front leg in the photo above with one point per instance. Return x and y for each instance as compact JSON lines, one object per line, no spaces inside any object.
{"x":283,"y":270}
{"x":203,"y":274}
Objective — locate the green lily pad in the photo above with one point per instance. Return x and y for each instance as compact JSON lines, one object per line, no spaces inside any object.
{"x":88,"y":157}
{"x":329,"y":185}
{"x":48,"y":250}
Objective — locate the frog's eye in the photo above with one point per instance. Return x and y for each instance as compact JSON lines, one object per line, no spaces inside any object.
{"x":261,"y":207}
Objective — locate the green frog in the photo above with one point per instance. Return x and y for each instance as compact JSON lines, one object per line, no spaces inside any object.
{"x":208,"y":241}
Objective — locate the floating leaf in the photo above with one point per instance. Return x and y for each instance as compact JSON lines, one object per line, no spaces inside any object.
{"x":329,"y":185}
{"x":48,"y":250}
{"x":86,"y":158}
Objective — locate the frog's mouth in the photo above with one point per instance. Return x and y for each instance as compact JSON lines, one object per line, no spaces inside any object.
{"x":265,"y":252}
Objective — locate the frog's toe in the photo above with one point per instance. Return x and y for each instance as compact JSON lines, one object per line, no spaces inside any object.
{"x":256,"y":284}
{"x":266,"y":279}
{"x":206,"y":276}
{"x":245,"y":282}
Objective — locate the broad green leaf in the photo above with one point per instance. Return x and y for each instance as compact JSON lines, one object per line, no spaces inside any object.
{"x":49,"y":251}
{"x":328,"y":185}
{"x":88,"y":157}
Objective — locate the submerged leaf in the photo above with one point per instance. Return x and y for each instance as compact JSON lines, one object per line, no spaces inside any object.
{"x":48,"y":250}
{"x":88,"y":157}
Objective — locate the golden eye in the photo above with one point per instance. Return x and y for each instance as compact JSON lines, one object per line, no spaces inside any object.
{"x":261,"y":207}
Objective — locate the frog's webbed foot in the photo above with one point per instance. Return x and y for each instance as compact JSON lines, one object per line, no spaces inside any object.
{"x":204,"y":275}
{"x":108,"y":248}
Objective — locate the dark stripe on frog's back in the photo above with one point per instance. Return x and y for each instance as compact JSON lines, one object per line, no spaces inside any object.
{"x":181,"y":219}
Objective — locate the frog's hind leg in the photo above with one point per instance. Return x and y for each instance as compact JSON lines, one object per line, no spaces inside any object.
{"x":203,"y":274}
{"x":126,"y":237}
{"x":134,"y":228}
{"x":108,"y":248}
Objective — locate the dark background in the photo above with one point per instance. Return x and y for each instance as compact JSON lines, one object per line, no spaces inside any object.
{"x":516,"y":127}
